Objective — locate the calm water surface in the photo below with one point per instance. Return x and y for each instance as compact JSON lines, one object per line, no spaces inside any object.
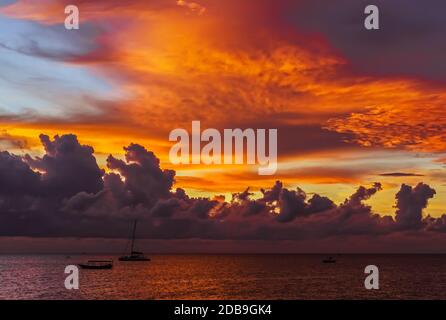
{"x":226,"y":277}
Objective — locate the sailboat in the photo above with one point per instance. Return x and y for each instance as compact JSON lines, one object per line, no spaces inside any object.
{"x":134,"y":255}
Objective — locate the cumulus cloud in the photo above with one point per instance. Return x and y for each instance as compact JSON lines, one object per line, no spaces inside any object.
{"x":144,"y":182}
{"x":64,"y":193}
{"x":410,"y":204}
{"x":68,"y":167}
{"x":363,"y":193}
{"x":16,"y":176}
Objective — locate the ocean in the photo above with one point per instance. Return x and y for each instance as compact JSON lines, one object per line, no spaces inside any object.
{"x":226,"y":277}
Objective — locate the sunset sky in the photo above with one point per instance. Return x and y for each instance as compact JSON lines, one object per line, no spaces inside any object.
{"x":352,"y":106}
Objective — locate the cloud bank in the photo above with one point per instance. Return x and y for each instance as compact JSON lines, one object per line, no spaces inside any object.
{"x":66,"y":194}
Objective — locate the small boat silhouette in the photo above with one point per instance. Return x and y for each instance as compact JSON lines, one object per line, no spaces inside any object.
{"x":97,"y":264}
{"x":329,"y":260}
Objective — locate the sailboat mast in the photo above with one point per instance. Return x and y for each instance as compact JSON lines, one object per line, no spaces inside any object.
{"x":133,"y":236}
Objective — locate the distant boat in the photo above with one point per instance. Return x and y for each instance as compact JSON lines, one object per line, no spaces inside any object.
{"x":97,"y":264}
{"x":134,"y":255}
{"x":329,"y":260}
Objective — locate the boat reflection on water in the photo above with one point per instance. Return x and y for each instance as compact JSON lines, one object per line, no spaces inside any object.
{"x":134,"y":256}
{"x":97,"y":264}
{"x":329,"y":260}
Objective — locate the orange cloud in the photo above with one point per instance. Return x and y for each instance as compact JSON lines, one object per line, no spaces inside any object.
{"x":415,"y":122}
{"x":193,"y":6}
{"x":227,"y":70}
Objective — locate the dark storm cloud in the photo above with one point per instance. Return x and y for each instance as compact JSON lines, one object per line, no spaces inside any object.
{"x":410,"y":204}
{"x":71,"y":197}
{"x":144,"y":182}
{"x":363,"y":194}
{"x":32,"y":189}
{"x":291,"y":204}
{"x":436,"y":224}
{"x":272,"y":194}
{"x":288,"y":204}
{"x":68,"y":166}
{"x":410,"y":40}
{"x":16,"y":176}
{"x":319,"y":203}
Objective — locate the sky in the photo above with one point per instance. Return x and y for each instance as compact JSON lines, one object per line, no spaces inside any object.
{"x":85,"y":117}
